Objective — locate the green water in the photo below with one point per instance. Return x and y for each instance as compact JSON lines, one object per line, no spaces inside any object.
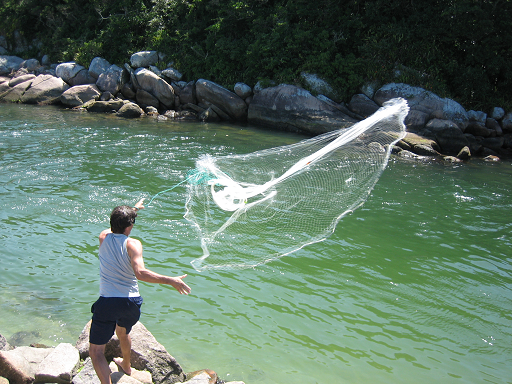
{"x":413,"y":287}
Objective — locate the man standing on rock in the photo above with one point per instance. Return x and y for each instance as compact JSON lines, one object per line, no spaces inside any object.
{"x":118,"y":308}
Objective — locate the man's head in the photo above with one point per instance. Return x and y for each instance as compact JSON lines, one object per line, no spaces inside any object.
{"x":121,"y":218}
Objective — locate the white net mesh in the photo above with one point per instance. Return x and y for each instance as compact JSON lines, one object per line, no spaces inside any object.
{"x":251,"y":209}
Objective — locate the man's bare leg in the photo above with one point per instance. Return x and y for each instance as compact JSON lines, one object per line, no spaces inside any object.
{"x":99,"y":362}
{"x":125,"y":342}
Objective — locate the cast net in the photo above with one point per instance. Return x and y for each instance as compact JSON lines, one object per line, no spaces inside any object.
{"x":253,"y":208}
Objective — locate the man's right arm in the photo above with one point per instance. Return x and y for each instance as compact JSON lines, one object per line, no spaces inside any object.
{"x":134,"y":248}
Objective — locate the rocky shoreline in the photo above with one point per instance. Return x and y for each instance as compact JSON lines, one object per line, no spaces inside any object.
{"x":67,"y":363}
{"x":437,"y":128}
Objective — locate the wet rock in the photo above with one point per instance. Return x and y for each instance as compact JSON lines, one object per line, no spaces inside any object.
{"x":288,"y":107}
{"x":362,"y":105}
{"x":243,"y":90}
{"x":448,"y":135}
{"x":112,"y":79}
{"x":45,"y":89}
{"x":80,"y":94}
{"x":156,"y":86}
{"x":130,"y":111}
{"x":228,"y":101}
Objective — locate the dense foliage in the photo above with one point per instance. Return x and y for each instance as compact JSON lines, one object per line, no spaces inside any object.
{"x":457,"y":48}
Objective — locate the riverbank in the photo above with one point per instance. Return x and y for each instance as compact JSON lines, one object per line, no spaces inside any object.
{"x":68,"y":363}
{"x":438,"y":129}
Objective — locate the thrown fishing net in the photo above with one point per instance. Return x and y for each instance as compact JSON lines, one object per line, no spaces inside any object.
{"x":253,"y":208}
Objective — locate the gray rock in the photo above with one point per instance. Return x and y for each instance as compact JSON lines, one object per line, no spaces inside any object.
{"x":477,"y":128}
{"x":31,"y":64}
{"x":87,"y":374}
{"x":475,"y":143}
{"x":144,"y":59}
{"x":209,"y":116}
{"x":128,"y":91}
{"x":9,"y":64}
{"x":147,"y":354}
{"x":111,"y":106}
{"x":155,"y":70}
{"x":112,"y":79}
{"x":19,"y":365}
{"x":156,"y":86}
{"x":493,"y":125}
{"x":130,"y":111}
{"x":14,"y":94}
{"x":497,"y":113}
{"x":80,"y":94}
{"x":319,"y":86}
{"x":83,"y":77}
{"x":448,"y":135}
{"x":188,"y":93}
{"x":226,"y":100}
{"x":423,"y":105}
{"x":362,"y":105}
{"x":506,"y":123}
{"x":146,"y":98}
{"x":21,"y":79}
{"x":172,"y":74}
{"x":45,"y":89}
{"x":59,"y":366}
{"x":66,"y":71}
{"x":477,"y":116}
{"x":493,"y":143}
{"x":292,"y":108}
{"x":98,"y":66}
{"x":243,"y":90}
{"x":45,"y":60}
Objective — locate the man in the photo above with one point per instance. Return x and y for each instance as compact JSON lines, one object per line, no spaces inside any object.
{"x":118,"y":308}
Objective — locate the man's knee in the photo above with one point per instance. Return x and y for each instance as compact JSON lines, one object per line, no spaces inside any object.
{"x":96,"y":351}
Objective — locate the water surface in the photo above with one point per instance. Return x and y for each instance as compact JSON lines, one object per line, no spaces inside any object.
{"x":415,"y":286}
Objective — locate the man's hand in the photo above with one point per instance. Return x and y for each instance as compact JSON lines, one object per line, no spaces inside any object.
{"x":180,"y":285}
{"x":140,"y":203}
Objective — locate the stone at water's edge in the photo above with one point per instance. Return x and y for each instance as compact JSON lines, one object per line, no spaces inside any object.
{"x":147,"y":354}
{"x":295,"y":109}
{"x":45,"y":89}
{"x":230,"y":103}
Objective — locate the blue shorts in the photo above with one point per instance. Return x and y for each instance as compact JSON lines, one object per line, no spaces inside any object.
{"x":109,"y":311}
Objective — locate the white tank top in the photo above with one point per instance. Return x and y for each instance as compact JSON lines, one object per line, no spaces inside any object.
{"x":117,"y":278}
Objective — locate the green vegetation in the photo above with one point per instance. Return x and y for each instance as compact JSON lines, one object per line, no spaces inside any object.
{"x":456,"y":48}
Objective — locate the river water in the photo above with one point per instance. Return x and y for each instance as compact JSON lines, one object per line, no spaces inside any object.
{"x":414,"y":286}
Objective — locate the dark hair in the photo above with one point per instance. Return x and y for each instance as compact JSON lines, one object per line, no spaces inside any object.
{"x":121,"y":218}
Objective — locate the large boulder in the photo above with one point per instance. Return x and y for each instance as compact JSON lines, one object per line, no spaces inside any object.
{"x":98,"y":66}
{"x":448,"y":135}
{"x":66,"y":71}
{"x":362,"y":105}
{"x":423,"y":105}
{"x":112,"y":79}
{"x":229,"y":102}
{"x":144,"y":59}
{"x":147,"y":354}
{"x":20,"y":365}
{"x":21,"y":79}
{"x":14,"y":94}
{"x":156,"y":86}
{"x":130,"y":111}
{"x":80,"y":94}
{"x":59,"y":366}
{"x":110,"y":106}
{"x":319,"y":86}
{"x":295,"y":109}
{"x":9,"y":64}
{"x":45,"y":89}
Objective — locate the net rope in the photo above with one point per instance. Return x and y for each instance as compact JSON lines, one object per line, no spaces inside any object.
{"x":253,"y":208}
